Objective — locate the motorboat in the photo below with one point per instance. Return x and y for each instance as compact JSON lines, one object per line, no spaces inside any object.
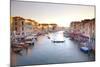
{"x":17,"y":50}
{"x":58,"y":38}
{"x":58,"y":41}
{"x":84,"y":49}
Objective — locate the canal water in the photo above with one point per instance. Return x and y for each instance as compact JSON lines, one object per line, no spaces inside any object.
{"x":45,"y":51}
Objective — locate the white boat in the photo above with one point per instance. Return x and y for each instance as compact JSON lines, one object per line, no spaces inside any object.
{"x":58,"y":38}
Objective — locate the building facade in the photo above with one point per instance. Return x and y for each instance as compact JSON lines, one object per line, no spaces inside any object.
{"x":30,"y":27}
{"x":84,"y":30}
{"x":18,"y":25}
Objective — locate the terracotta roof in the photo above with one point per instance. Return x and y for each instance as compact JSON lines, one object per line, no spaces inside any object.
{"x":19,"y":17}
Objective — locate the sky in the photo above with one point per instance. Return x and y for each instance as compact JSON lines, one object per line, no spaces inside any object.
{"x":61,"y":14}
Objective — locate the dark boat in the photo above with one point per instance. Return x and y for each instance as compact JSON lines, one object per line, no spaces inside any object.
{"x":17,"y":50}
{"x":58,"y":41}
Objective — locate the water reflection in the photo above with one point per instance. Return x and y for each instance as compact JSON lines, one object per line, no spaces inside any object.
{"x":29,"y":50}
{"x":45,"y":51}
{"x":13,"y":59}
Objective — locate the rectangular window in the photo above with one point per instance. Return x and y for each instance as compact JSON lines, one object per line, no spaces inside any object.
{"x":16,"y":28}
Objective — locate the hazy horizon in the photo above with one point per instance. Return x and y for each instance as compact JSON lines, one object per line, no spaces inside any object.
{"x":61,"y":14}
